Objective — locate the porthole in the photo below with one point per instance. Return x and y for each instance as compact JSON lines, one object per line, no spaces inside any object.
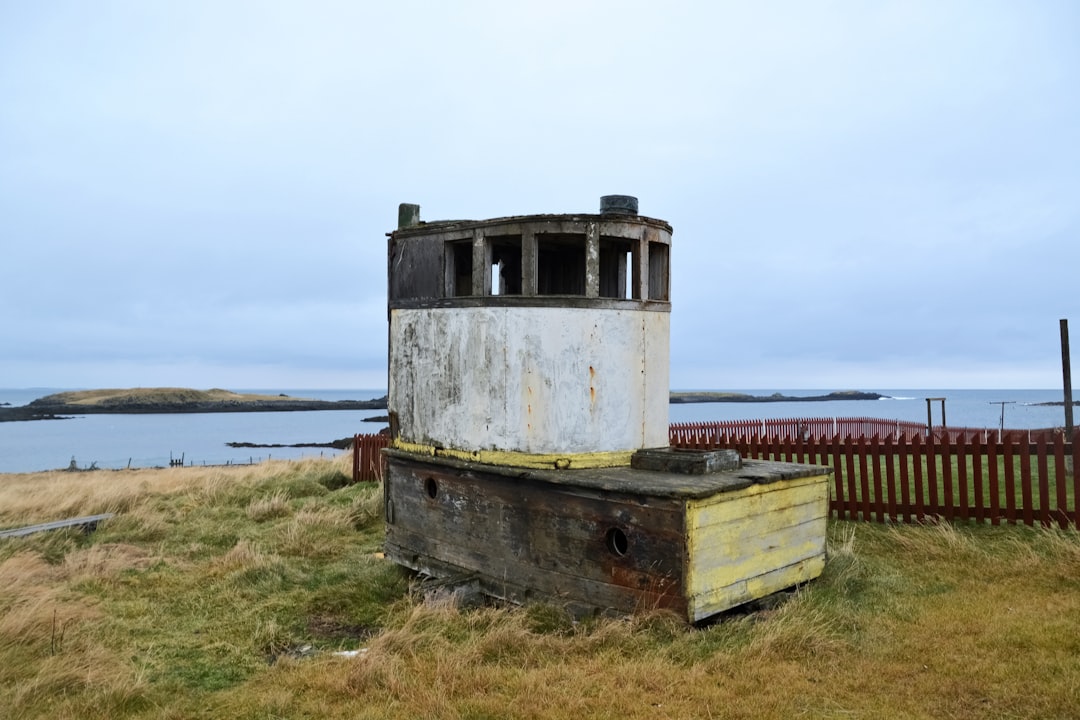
{"x":431,"y":487}
{"x":617,"y":542}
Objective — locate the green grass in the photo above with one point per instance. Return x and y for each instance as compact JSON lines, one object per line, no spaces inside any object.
{"x":225,"y":593}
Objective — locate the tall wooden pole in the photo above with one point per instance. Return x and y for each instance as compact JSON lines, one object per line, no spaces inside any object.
{"x":1067,"y":377}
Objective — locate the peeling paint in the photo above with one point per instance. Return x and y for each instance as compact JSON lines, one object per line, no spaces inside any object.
{"x":469,"y":376}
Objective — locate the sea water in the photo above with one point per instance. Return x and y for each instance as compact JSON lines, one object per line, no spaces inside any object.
{"x":963,"y":408}
{"x":151,"y":440}
{"x":117,"y":441}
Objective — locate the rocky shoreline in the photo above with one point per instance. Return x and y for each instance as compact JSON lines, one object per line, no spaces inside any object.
{"x":341,"y":444}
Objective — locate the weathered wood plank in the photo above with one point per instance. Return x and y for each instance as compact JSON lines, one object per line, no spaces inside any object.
{"x":88,"y":523}
{"x":715,"y":563}
{"x":754,"y":500}
{"x":718,"y":599}
{"x":492,"y":525}
{"x":749,"y":528}
{"x":525,"y":581}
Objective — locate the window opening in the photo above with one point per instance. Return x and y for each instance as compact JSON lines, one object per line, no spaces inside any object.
{"x":505,"y":265}
{"x":616,"y":260}
{"x":658,"y":271}
{"x":460,"y":279}
{"x":560,"y":264}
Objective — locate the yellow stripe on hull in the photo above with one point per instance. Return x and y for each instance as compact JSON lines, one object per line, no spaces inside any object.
{"x":532,"y":461}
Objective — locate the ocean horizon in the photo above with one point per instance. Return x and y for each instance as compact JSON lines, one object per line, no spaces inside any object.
{"x":118,"y":441}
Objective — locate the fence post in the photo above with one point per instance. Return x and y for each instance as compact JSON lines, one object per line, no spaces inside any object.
{"x":978,"y":452}
{"x":864,"y":480}
{"x":962,"y":446}
{"x":1061,"y":481}
{"x":838,"y":478}
{"x":849,"y":462}
{"x":905,"y":490}
{"x":918,"y":462}
{"x":1044,"y":483}
{"x":931,"y":475}
{"x":890,"y":477}
{"x":1010,"y":479}
{"x":995,"y":489}
{"x":1025,"y":481}
{"x":946,"y":475}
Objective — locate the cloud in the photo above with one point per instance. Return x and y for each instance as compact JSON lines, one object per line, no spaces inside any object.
{"x":871,"y":192}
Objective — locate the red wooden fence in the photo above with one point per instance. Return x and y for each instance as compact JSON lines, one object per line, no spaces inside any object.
{"x":901,"y":479}
{"x":691,"y":434}
{"x":367,"y":458}
{"x":888,"y":470}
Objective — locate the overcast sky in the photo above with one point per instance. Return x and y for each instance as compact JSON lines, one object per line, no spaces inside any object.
{"x":864,"y":194}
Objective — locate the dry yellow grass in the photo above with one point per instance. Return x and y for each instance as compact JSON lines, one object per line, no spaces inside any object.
{"x":199,"y":599}
{"x":27,"y":498}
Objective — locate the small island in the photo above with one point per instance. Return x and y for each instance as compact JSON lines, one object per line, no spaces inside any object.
{"x":171,"y":400}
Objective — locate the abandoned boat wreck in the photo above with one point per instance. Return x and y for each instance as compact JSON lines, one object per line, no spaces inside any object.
{"x":528,"y":398}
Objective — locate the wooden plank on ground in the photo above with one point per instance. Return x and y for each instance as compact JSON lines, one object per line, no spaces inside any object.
{"x":88,"y":523}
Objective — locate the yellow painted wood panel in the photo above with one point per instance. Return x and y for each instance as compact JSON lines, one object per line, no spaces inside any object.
{"x":722,"y":598}
{"x":737,"y":542}
{"x":755,"y":541}
{"x":754,"y":500}
{"x":720,"y":565}
{"x":744,"y":529}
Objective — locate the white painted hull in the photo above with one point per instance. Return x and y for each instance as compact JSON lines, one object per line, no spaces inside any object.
{"x":536,"y":380}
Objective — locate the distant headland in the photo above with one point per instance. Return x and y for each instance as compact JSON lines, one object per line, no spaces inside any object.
{"x":171,"y":400}
{"x":709,"y":397}
{"x":185,"y":400}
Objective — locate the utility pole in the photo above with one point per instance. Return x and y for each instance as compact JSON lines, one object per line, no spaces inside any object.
{"x":1067,"y":378}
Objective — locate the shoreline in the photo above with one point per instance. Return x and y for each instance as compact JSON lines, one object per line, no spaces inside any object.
{"x":170,"y":401}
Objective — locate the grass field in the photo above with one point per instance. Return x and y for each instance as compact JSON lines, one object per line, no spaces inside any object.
{"x":225,"y":592}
